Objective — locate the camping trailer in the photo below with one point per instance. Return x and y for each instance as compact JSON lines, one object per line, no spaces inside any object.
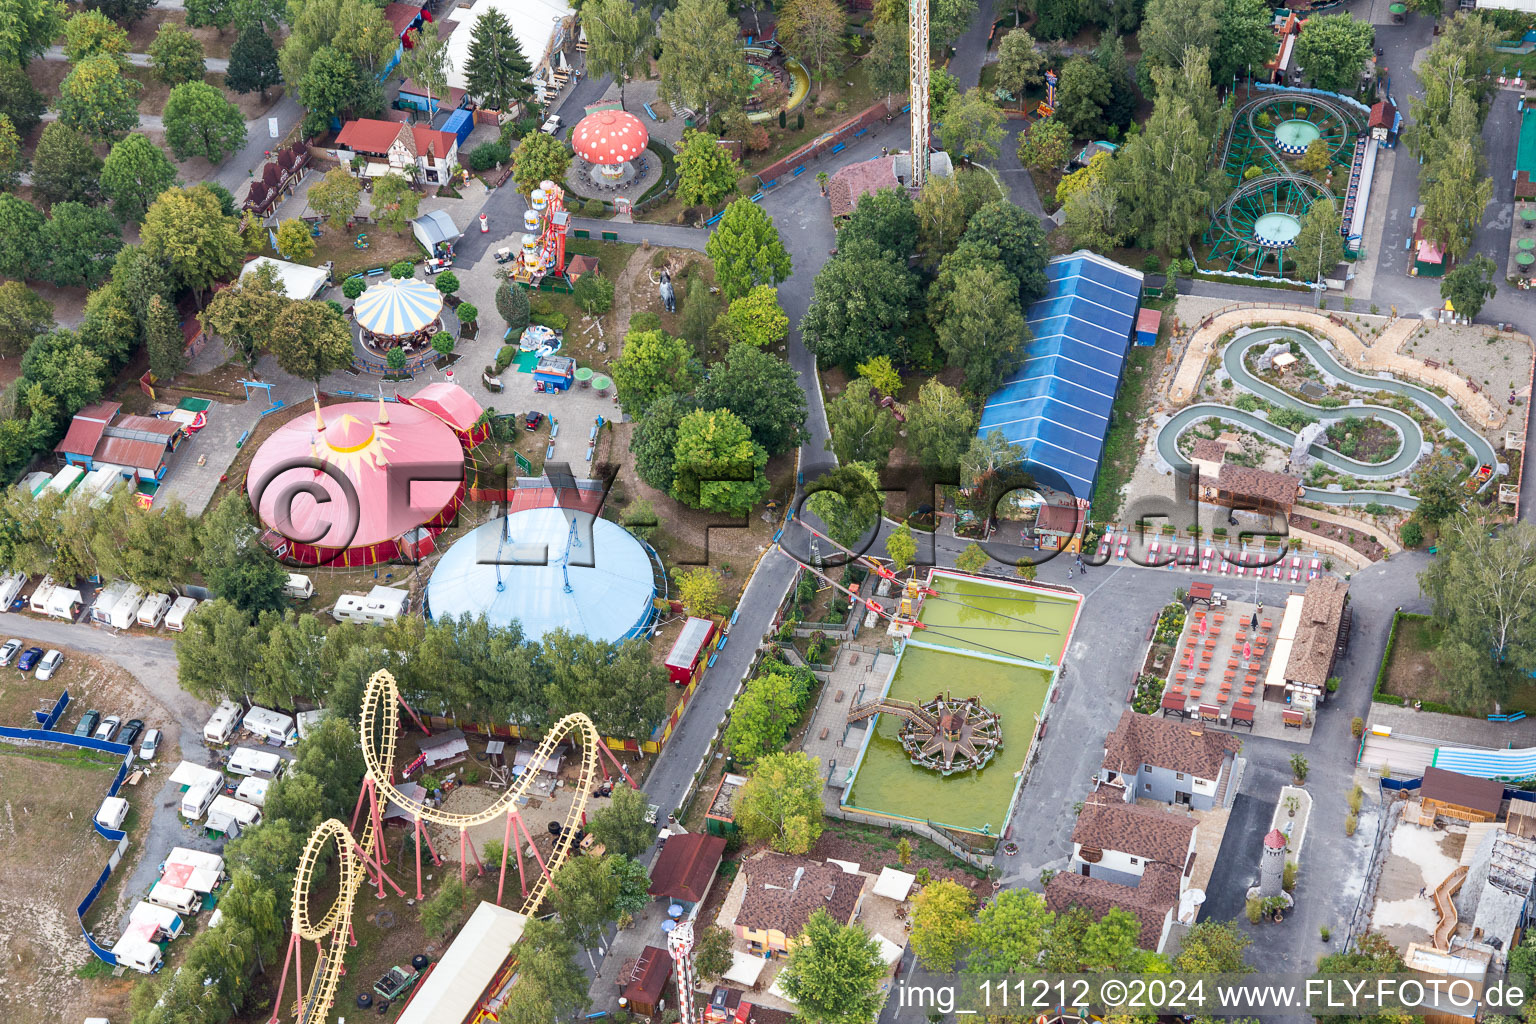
{"x":39,"y":602}
{"x":299,"y":586}
{"x":137,"y":952}
{"x":381,"y":605}
{"x":196,"y":800}
{"x":10,"y":586}
{"x":113,"y":810}
{"x":253,"y":790}
{"x":65,"y":480}
{"x":201,"y":859}
{"x":100,"y":483}
{"x":272,"y":726}
{"x":229,"y":816}
{"x":307,"y":720}
{"x":221,"y":726}
{"x":64,"y":603}
{"x":176,"y":617}
{"x":166,"y":923}
{"x":118,"y":604}
{"x":188,"y":775}
{"x":35,"y":482}
{"x":171,"y":897}
{"x":152,"y":611}
{"x":245,"y":761}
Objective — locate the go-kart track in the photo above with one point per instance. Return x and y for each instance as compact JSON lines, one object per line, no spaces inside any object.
{"x":1413,"y":445}
{"x":1262,"y":216}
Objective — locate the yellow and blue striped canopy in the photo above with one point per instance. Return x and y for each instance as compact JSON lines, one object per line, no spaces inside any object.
{"x":398,"y":307}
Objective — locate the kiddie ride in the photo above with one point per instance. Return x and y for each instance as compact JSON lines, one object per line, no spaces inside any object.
{"x":545,"y":224}
{"x":904,"y":621}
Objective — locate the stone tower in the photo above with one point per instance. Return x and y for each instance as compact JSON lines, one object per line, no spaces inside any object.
{"x":1272,"y":865}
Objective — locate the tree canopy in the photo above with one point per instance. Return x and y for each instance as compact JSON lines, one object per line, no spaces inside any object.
{"x":706,"y":171}
{"x":652,"y":364}
{"x":763,"y":391}
{"x":746,"y":251}
{"x":862,"y":430}
{"x":716,"y":465}
{"x":859,"y":306}
{"x":834,"y":973}
{"x":134,"y":174}
{"x":781,"y":802}
{"x":701,"y":66}
{"x":1333,"y":50}
{"x":200,"y":121}
{"x":1469,"y":285}
{"x":618,"y":40}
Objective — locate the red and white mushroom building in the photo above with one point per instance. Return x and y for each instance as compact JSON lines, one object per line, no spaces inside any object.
{"x":609,"y":140}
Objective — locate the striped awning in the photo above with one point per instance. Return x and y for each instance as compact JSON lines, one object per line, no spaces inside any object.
{"x":398,"y":307}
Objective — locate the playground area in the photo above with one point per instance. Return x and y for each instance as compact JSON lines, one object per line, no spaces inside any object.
{"x":1351,"y":410}
{"x":997,"y":642}
{"x":1258,"y":223}
{"x":779,"y":81}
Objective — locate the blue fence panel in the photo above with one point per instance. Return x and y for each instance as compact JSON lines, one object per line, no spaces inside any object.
{"x":1398,"y":785}
{"x":85,"y":905}
{"x":47,"y":719}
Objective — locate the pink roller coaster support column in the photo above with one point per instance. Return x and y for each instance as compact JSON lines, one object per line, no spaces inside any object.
{"x":506,"y":841}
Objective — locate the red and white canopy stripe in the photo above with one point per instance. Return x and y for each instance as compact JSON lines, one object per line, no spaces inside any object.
{"x":609,"y":137}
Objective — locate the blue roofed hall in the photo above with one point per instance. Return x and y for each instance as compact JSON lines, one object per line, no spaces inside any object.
{"x":549,"y":568}
{"x":1056,"y":406}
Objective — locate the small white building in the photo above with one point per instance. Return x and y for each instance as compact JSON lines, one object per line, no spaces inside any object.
{"x":229,"y":816}
{"x":246,"y":761}
{"x":41,"y":594}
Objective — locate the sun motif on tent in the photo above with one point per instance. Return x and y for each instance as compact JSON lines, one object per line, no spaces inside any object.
{"x":351,"y":443}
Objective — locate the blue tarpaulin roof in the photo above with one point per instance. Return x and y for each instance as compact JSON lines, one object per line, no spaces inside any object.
{"x":1056,"y":406}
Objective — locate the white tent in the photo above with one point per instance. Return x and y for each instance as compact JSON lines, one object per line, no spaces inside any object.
{"x":454,"y":986}
{"x":62,"y":602}
{"x":889,"y":951}
{"x":745,"y":969}
{"x":539,"y":26}
{"x":113,"y":810}
{"x":188,"y":775}
{"x":196,"y":858}
{"x":435,"y":228}
{"x":894,"y":884}
{"x":246,"y":761}
{"x":185,"y":876}
{"x":299,"y":282}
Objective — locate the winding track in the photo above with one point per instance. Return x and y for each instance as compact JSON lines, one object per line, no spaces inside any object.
{"x":1408,"y":429}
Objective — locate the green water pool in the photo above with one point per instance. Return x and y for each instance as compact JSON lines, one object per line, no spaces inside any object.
{"x":977,"y":632}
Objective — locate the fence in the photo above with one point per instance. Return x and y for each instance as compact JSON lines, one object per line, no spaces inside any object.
{"x":922,"y":828}
{"x":794,"y":164}
{"x":1362,"y":912}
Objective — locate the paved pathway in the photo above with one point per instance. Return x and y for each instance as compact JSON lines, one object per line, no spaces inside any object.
{"x":216,"y":65}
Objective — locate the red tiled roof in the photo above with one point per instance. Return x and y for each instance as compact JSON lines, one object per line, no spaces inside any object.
{"x":440,"y":143}
{"x":400,"y":16}
{"x":1143,"y":832}
{"x":1383,"y":114}
{"x":783,"y":892}
{"x":86,"y":428}
{"x":1247,"y":482}
{"x":120,"y":451}
{"x":1150,"y":901}
{"x":368,"y":136}
{"x":685,"y":866}
{"x":1177,"y":747}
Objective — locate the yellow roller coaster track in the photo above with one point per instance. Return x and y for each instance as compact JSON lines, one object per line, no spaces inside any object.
{"x":331,"y":932}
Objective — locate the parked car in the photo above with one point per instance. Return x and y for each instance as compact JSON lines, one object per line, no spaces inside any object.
{"x":9,"y":651}
{"x":108,"y":727}
{"x":551,"y":125}
{"x":29,"y":659}
{"x":88,"y":723}
{"x":130,"y":733}
{"x":532,"y":420}
{"x":49,"y":665}
{"x":151,"y":745}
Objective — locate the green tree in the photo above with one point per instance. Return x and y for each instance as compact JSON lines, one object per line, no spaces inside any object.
{"x":1092,"y":217}
{"x":886,"y":219}
{"x":983,"y":332}
{"x":700,"y":63}
{"x":1436,"y":483}
{"x":187,"y":230}
{"x":972,"y":126}
{"x":30,"y":27}
{"x":1004,"y":232}
{"x":426,"y":62}
{"x":651,"y":364}
{"x":395,"y":202}
{"x":745,"y":250}
{"x":859,"y":306}
{"x":551,"y":985}
{"x":253,"y":63}
{"x":177,"y":55}
{"x":585,"y":896}
{"x":1021,"y":65}
{"x":235,"y":565}
{"x":888,"y":65}
{"x":767,"y":711}
{"x":109,"y":327}
{"x":311,"y":340}
{"x":621,"y":689}
{"x":619,"y":40}
{"x":1467,"y":287}
{"x":135,"y":172}
{"x":65,"y":167}
{"x":881,"y":374}
{"x":781,"y":803}
{"x":593,"y":293}
{"x":88,"y":33}
{"x":941,"y":923}
{"x":443,"y":911}
{"x":512,"y":304}
{"x":712,"y":951}
{"x":200,"y":121}
{"x":1319,"y":246}
{"x":539,"y":157}
{"x":1373,"y":954}
{"x":217,"y":14}
{"x":941,"y":216}
{"x":1081,"y":96}
{"x":1170,"y":26}
{"x":700,"y":311}
{"x":813,"y":29}
{"x":755,"y":318}
{"x":972,"y":559}
{"x":24,"y":316}
{"x":1454,"y":191}
{"x":1213,"y":947}
{"x":246,"y":315}
{"x":763,"y":391}
{"x":21,"y":230}
{"x":947,"y":19}
{"x":834,"y":973}
{"x":698,"y":589}
{"x":621,"y":826}
{"x":848,"y":501}
{"x":901,"y":548}
{"x":1045,"y":145}
{"x":654,"y":441}
{"x":1482,"y":588}
{"x":137,"y":275}
{"x":19,"y":99}
{"x":96,"y":99}
{"x":332,"y":87}
{"x":1316,"y":159}
{"x":1009,"y":933}
{"x":717,"y":467}
{"x":706,"y":171}
{"x":294,"y":242}
{"x":940,"y":427}
{"x":862,"y":430}
{"x":1334,"y":49}
{"x":335,"y":196}
{"x":80,"y":242}
{"x":1244,"y":38}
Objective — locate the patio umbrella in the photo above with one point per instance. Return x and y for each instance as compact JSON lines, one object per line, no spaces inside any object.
{"x":1247,"y":651}
{"x":675,"y":910}
{"x":668,"y":925}
{"x":397,"y":308}
{"x":1204,"y":621}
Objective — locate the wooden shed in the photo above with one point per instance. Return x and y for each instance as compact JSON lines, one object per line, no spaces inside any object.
{"x":1461,"y":797}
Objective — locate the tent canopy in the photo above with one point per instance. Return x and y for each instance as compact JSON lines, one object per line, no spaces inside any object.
{"x":894,"y":884}
{"x":299,"y":282}
{"x":434,"y":228}
{"x":398,"y":308}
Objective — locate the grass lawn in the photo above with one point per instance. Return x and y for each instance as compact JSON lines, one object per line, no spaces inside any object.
{"x":1122,"y":445}
{"x":1412,"y":675}
{"x":384,"y":248}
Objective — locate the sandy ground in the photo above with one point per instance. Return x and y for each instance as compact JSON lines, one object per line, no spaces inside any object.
{"x":1419,"y":860}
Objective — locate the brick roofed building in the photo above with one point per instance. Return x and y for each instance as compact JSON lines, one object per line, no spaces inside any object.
{"x":1175,"y":762}
{"x":855,"y":181}
{"x":415,"y":150}
{"x":1153,"y":902}
{"x":1461,"y":797}
{"x":782,"y":892}
{"x":1142,"y":833}
{"x":1316,"y":642}
{"x":686,"y":866}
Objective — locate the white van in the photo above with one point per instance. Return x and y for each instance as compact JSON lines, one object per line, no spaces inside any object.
{"x":381,"y":605}
{"x":112,"y":812}
{"x":10,"y":586}
{"x":176,"y":617}
{"x":245,"y":761}
{"x":299,"y":586}
{"x":183,"y":901}
{"x":196,"y":800}
{"x":271,"y":725}
{"x":152,"y":611}
{"x":223,"y":723}
{"x":253,"y":790}
{"x":230,"y":816}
